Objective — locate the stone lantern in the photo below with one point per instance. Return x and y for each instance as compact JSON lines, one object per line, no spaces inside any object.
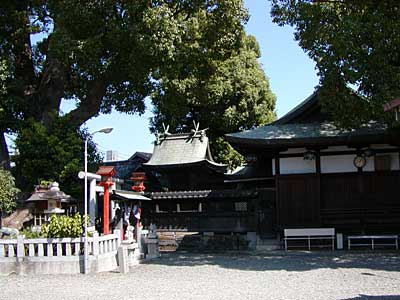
{"x":47,"y":201}
{"x":54,"y":197}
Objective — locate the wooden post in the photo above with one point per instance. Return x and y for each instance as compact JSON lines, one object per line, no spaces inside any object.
{"x":318,"y":162}
{"x":107,"y":172}
{"x":277,"y":173}
{"x":106,"y":211}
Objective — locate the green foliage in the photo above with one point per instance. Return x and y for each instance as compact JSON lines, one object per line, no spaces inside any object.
{"x":119,"y":53}
{"x":29,"y":234}
{"x":225,"y":154}
{"x":355,"y":45}
{"x":8,"y":191}
{"x":224,"y":93}
{"x":54,"y":154}
{"x":63,"y":226}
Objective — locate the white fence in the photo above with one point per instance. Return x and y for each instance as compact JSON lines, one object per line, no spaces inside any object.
{"x":24,"y":256}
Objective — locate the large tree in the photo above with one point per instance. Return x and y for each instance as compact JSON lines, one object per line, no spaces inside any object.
{"x":222,"y":94}
{"x":356,"y":47}
{"x":103,"y":55}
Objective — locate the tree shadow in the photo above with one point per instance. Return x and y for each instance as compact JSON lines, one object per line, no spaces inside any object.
{"x":288,"y":261}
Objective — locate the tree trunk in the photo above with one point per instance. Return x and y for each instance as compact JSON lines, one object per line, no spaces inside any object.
{"x":4,"y":154}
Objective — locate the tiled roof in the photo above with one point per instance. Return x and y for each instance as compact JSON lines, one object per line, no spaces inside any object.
{"x":295,"y":133}
{"x":182,"y":149}
{"x":124,"y":168}
{"x":203,"y":194}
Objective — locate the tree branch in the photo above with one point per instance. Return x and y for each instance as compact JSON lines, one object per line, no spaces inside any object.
{"x":51,"y":89}
{"x":90,"y":105}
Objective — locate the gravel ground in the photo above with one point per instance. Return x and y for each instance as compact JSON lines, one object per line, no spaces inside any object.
{"x":257,"y":275}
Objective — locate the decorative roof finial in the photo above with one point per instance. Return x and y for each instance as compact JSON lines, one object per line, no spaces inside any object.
{"x":165,"y":133}
{"x":196,"y":127}
{"x":162,"y":134}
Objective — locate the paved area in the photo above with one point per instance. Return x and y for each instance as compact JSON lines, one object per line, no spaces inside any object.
{"x":273,"y":275}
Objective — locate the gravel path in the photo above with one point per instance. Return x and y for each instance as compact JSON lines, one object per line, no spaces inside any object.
{"x":268,"y":275}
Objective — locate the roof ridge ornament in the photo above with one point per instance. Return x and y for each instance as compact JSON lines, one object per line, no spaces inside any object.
{"x":162,"y":135}
{"x":196,"y":130}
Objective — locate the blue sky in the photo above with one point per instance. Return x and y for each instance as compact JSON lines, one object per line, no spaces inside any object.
{"x":291,"y":75}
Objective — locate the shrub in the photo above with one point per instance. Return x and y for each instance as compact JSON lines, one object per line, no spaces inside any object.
{"x":63,"y":226}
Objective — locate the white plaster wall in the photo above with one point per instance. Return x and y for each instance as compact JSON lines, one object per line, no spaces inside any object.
{"x":296,"y":165}
{"x":336,"y":164}
{"x":330,"y":164}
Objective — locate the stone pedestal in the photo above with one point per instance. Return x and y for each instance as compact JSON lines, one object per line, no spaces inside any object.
{"x":152,"y":248}
{"x":123,"y":259}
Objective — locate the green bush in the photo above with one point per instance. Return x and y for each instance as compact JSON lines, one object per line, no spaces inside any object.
{"x":29,"y":234}
{"x":63,"y":226}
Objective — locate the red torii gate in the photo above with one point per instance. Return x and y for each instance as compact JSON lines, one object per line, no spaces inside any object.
{"x":106,"y":173}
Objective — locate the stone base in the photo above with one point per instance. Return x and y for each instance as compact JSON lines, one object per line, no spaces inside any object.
{"x":57,"y":265}
{"x":152,"y":248}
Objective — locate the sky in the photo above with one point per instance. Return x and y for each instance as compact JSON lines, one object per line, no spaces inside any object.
{"x":291,"y":74}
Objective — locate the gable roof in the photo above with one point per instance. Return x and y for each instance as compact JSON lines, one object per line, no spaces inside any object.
{"x":143,"y":155}
{"x":182,"y":150}
{"x":124,"y":168}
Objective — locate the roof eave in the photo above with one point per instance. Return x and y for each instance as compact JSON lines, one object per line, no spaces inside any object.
{"x":311,"y":141}
{"x":212,"y":165}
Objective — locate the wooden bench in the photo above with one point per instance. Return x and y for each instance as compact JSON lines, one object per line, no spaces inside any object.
{"x":309,"y":234}
{"x":374,"y":240}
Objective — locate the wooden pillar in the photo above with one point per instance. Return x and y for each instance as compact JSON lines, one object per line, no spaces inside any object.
{"x":277,"y":164}
{"x":277,"y":174}
{"x":318,"y":172}
{"x":318,"y":162}
{"x":106,"y":211}
{"x":107,"y":172}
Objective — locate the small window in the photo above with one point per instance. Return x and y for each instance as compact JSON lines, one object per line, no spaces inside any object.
{"x":241,"y":206}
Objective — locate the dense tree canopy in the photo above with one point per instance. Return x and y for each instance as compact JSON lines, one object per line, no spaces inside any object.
{"x":111,"y":55}
{"x":356,"y":47}
{"x":224,"y":95}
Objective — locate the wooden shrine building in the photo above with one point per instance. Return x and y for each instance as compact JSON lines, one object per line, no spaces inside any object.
{"x":314,"y":174}
{"x":193,"y":194}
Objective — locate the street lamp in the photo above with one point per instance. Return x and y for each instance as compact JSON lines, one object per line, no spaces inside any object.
{"x":85,"y":250}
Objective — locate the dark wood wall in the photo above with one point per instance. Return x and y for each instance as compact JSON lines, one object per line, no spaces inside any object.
{"x":217,"y":215}
{"x":298,"y":200}
{"x":351,"y":202}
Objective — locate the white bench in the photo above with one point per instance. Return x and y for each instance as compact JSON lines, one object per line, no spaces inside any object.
{"x":310,"y":234}
{"x":374,"y":240}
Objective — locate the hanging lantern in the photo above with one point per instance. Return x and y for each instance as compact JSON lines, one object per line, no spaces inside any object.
{"x":138,"y":181}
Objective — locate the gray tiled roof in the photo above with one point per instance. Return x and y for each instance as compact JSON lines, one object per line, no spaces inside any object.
{"x":124,"y":168}
{"x":297,"y":132}
{"x":203,"y":194}
{"x":181,"y":149}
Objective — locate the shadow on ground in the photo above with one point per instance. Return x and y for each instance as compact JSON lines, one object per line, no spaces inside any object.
{"x":380,"y":297}
{"x":289,"y":261}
